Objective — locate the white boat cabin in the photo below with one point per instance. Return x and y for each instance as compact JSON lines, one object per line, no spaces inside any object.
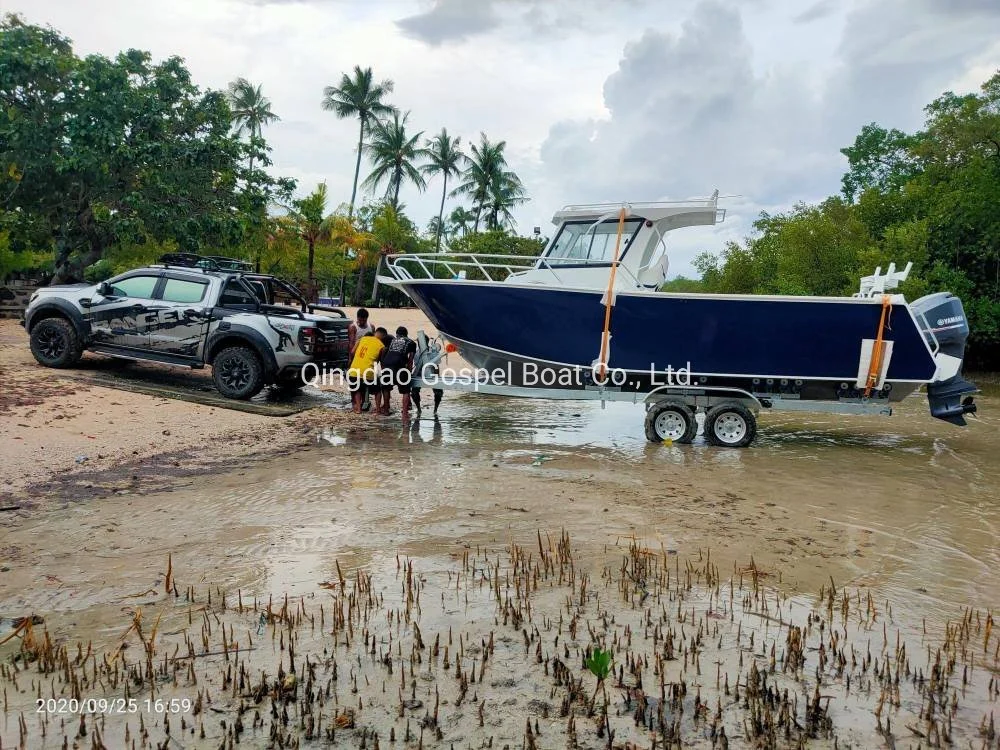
{"x":582,"y":250}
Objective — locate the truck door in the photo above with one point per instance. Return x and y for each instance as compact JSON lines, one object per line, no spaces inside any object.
{"x":121,"y":317}
{"x":183,"y":315}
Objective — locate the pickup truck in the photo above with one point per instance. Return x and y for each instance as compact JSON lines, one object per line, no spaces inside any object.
{"x":253,"y":329}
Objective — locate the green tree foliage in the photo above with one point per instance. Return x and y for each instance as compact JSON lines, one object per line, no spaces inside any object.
{"x":497,"y":242}
{"x":250,"y":112}
{"x":445,"y":158}
{"x":930,"y":198}
{"x":309,"y":219}
{"x":387,"y":231}
{"x":493,"y":188}
{"x":394,"y":154}
{"x":880,"y":159}
{"x":359,"y":95}
{"x":14,"y":261}
{"x":460,"y":221}
{"x":286,"y":254}
{"x":102,"y":152}
{"x":683,"y":285}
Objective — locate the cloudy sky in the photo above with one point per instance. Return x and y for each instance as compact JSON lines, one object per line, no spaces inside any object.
{"x":598,"y":100}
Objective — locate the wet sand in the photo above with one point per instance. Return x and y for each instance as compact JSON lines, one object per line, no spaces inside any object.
{"x":904,"y":507}
{"x":59,"y":433}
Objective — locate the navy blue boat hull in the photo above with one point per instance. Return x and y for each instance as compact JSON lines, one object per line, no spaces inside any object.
{"x":717,"y":336}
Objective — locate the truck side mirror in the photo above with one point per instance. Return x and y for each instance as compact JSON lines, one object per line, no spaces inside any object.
{"x":104,"y":289}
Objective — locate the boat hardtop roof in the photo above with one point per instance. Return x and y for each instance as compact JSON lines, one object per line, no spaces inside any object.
{"x":652,"y":210}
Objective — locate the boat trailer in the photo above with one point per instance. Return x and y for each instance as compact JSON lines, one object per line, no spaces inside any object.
{"x":730,"y":413}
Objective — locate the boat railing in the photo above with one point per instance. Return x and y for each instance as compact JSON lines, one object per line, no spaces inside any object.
{"x":708,"y":202}
{"x":457,"y":266}
{"x":639,"y":208}
{"x":479,"y":267}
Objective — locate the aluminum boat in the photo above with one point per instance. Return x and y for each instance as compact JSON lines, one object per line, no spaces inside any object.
{"x":588,"y":312}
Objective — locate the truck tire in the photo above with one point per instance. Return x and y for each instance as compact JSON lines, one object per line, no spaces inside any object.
{"x":238,"y":372}
{"x":55,"y":343}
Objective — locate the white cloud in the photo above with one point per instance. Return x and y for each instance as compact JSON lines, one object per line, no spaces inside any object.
{"x":656,"y":99}
{"x":694,"y":109}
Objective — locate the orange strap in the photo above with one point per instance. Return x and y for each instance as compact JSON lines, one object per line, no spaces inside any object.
{"x":878,"y":350}
{"x":605,"y":338}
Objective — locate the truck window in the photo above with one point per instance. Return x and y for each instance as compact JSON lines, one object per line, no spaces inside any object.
{"x":140,"y":287}
{"x":180,"y":290}
{"x":234,"y":295}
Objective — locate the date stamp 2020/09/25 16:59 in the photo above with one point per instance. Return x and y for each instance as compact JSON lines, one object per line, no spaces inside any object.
{"x":98,"y":706}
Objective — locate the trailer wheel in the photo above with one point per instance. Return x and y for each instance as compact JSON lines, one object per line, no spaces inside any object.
{"x":730,"y":425}
{"x":671,"y":420}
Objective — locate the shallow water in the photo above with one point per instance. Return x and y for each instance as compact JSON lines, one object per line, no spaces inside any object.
{"x":906,"y":506}
{"x":923,"y":493}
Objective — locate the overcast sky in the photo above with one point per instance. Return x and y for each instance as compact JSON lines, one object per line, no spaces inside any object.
{"x":598,"y":100}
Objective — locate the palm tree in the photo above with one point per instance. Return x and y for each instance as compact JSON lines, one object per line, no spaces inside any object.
{"x":251,"y":110}
{"x":436,"y":227}
{"x":460,"y":219}
{"x":506,"y":191}
{"x":390,"y":232}
{"x":393,"y":154}
{"x":354,"y":242}
{"x":487,"y":169}
{"x":446,"y":159}
{"x":358,"y":96}
{"x":309,"y":217}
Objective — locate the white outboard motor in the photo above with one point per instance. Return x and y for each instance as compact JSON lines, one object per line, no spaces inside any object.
{"x":943,"y":322}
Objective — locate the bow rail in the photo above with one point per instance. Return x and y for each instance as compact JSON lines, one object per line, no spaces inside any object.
{"x":480,"y":267}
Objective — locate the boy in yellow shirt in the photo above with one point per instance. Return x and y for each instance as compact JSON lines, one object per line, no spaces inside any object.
{"x":362,"y":375}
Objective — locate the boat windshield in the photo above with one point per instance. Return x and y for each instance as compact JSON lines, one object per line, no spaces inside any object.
{"x":583,"y":242}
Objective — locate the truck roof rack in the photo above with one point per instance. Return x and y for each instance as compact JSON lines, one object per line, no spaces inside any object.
{"x":205,"y":262}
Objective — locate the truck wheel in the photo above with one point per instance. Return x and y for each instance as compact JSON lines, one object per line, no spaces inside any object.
{"x":238,"y":372}
{"x":671,"y":420}
{"x":730,"y":425}
{"x":55,"y":343}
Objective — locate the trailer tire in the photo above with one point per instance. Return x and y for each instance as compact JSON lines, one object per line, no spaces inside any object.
{"x":730,"y":425}
{"x":670,"y":420}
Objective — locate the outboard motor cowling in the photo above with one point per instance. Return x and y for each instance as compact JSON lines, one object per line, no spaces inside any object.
{"x":942,"y":321}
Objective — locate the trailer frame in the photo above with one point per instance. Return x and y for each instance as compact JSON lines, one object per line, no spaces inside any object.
{"x":671,"y":410}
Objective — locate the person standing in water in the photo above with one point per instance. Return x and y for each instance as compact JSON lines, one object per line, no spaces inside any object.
{"x":362,"y":377}
{"x":397,"y":359}
{"x":356,"y":331}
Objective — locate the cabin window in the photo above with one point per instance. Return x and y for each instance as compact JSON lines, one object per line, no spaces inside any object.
{"x":582,"y":242}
